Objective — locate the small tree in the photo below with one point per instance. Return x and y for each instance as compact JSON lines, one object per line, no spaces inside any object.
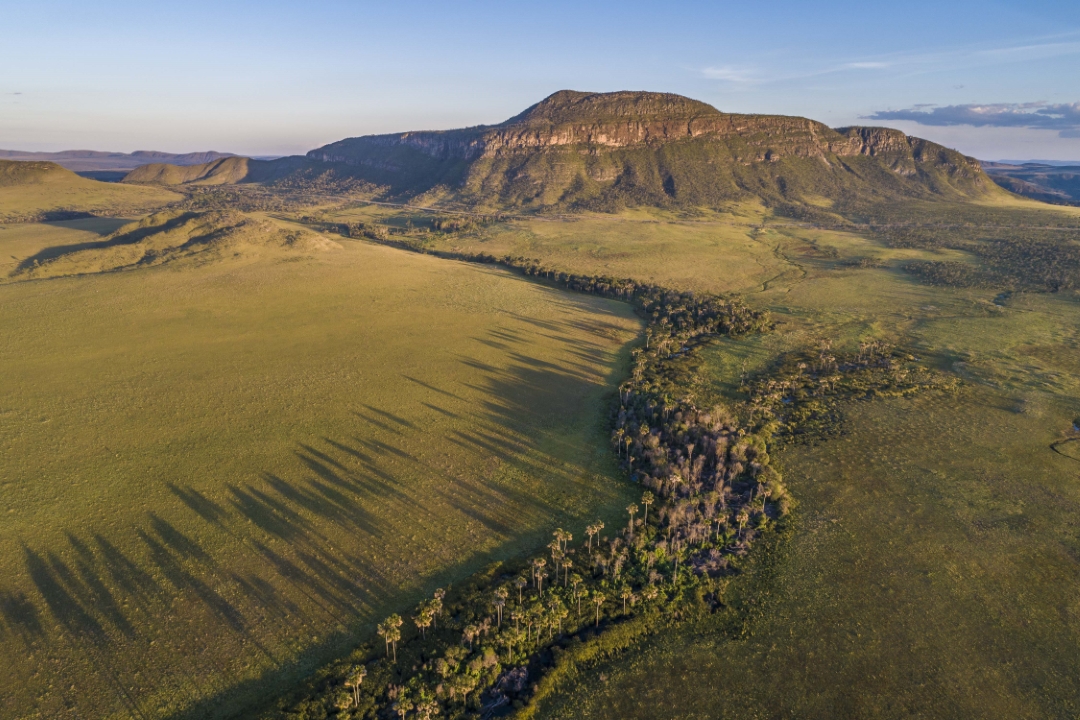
{"x":632,"y":510}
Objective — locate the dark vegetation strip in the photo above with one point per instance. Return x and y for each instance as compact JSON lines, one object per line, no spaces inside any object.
{"x":512,"y":635}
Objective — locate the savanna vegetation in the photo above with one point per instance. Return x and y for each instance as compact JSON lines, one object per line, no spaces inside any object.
{"x":865,"y":511}
{"x":912,"y":421}
{"x":219,"y":471}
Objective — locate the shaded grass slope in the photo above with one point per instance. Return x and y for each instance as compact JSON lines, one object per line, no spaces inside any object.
{"x":214,"y":478}
{"x":170,"y":237}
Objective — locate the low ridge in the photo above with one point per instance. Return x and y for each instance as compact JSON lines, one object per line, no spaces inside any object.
{"x":171,"y":236}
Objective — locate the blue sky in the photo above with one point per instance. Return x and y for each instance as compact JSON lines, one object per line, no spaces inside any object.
{"x":994,"y":79}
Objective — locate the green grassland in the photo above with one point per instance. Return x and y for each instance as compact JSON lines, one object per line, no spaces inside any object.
{"x":932,"y":567}
{"x":215,"y":475}
{"x":43,"y":191}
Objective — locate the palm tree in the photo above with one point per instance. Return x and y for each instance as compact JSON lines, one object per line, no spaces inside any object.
{"x":558,"y":612}
{"x":424,"y":618}
{"x":510,"y":638}
{"x":469,"y":634}
{"x":384,"y":632}
{"x":393,"y":635}
{"x":632,"y":509}
{"x":577,"y":591}
{"x":436,"y":606}
{"x":500,"y":603}
{"x":567,"y":563}
{"x":403,"y":706}
{"x":521,"y":583}
{"x":595,"y":530}
{"x":353,"y":680}
{"x":647,"y":499}
{"x":427,"y":708}
{"x":538,"y":573}
{"x":390,"y":630}
{"x":598,"y":600}
{"x":625,"y":593}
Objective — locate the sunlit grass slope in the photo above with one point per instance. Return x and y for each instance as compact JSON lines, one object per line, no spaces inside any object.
{"x":932,"y":570}
{"x":40,"y":190}
{"x":212,"y":477}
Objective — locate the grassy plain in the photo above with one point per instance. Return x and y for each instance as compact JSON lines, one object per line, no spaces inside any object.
{"x":932,"y":570}
{"x":213,"y":477}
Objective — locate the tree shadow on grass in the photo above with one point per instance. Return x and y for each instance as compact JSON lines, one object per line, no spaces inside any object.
{"x":259,"y":566}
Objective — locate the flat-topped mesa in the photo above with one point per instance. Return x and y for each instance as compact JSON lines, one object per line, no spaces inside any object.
{"x":620,"y":120}
{"x":603,"y":151}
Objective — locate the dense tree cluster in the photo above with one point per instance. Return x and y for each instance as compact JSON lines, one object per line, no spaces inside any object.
{"x":462,"y":223}
{"x":707,"y":491}
{"x":1039,"y":259}
{"x":800,"y":393}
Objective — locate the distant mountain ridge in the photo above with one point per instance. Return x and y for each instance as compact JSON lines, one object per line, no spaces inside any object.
{"x":1054,"y":183}
{"x":94,"y":160}
{"x":604,"y":151}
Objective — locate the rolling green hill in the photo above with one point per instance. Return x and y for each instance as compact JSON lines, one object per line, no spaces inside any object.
{"x":44,"y":190}
{"x":170,"y":237}
{"x":216,"y":172}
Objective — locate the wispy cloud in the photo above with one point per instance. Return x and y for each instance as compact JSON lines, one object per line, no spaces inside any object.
{"x":865,"y":65}
{"x":732,"y":74}
{"x":908,"y":63}
{"x":1062,"y":117}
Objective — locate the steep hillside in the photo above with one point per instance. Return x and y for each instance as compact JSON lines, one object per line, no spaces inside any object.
{"x":44,"y":190}
{"x":605,"y":151}
{"x":172,"y":236}
{"x":216,"y":172}
{"x":292,"y":171}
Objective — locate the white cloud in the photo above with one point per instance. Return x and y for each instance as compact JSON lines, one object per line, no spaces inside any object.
{"x":732,"y":74}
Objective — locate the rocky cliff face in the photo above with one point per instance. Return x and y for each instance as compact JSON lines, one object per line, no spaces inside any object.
{"x":570,"y":145}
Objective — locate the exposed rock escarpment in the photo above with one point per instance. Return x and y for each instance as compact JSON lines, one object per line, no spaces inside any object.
{"x":636,"y":147}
